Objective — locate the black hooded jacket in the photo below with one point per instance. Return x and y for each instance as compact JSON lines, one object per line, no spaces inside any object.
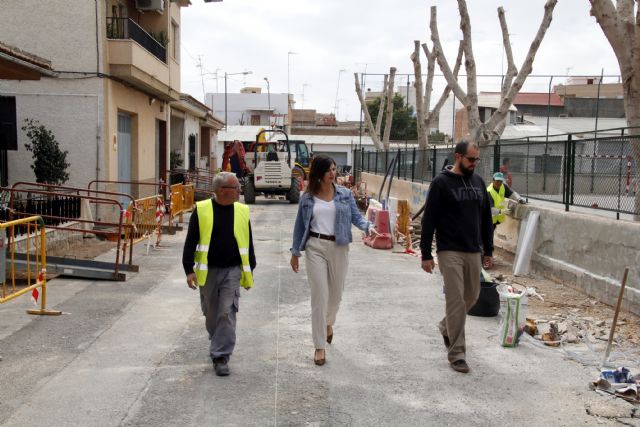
{"x":458,"y":211}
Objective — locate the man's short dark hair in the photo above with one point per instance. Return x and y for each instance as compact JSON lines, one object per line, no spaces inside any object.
{"x":463,"y":146}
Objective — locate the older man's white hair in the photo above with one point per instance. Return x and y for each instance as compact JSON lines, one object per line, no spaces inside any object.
{"x":220,"y":179}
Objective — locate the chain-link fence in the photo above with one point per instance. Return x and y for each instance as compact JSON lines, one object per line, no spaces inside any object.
{"x":597,"y":172}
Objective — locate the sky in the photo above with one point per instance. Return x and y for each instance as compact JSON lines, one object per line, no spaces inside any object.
{"x":313,"y":48}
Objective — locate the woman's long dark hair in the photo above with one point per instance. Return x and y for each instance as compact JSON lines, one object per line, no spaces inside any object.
{"x":319,"y":166}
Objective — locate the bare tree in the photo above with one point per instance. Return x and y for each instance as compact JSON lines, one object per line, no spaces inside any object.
{"x":485,"y":133}
{"x":367,"y":116}
{"x":620,"y":24}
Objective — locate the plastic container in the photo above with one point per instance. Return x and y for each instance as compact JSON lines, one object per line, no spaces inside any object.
{"x":488,"y":304}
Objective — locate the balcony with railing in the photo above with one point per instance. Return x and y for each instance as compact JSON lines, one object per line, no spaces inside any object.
{"x":126,"y":28}
{"x":139,"y":58}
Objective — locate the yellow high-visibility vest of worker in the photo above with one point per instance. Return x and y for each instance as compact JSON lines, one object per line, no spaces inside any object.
{"x":498,"y":203}
{"x":240,"y":232}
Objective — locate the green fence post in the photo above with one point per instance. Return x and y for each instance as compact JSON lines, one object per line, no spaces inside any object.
{"x":413,"y":165}
{"x":433,"y":163}
{"x":496,"y":156}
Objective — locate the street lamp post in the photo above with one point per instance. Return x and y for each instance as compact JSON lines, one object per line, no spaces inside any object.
{"x":268,"y":98}
{"x":225,"y":91}
{"x":266,"y":79}
{"x":288,"y":72}
{"x":335,"y":108}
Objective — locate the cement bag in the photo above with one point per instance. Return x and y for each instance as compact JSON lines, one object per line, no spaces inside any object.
{"x":513,"y":315}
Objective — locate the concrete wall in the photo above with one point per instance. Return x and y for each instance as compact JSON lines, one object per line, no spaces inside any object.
{"x":72,"y":111}
{"x":586,"y":251}
{"x":61,"y":31}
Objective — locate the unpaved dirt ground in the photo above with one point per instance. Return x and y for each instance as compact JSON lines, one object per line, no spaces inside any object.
{"x":565,"y":303}
{"x":84,"y":249}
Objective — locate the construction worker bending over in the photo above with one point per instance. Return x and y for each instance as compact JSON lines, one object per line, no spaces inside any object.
{"x":218,"y":257}
{"x":499,"y":191}
{"x":458,"y":211}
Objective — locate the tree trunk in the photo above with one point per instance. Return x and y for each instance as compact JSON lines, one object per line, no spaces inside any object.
{"x":383,"y":96}
{"x":389,"y":117}
{"x":619,"y":26}
{"x":367,"y":115}
{"x":420,"y":102}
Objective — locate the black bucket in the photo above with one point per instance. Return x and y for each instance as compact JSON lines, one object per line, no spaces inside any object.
{"x":488,"y":304}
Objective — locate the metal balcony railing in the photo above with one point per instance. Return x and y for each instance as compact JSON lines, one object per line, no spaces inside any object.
{"x":126,"y":28}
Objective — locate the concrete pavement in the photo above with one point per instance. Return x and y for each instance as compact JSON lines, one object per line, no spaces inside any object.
{"x":134,"y":353}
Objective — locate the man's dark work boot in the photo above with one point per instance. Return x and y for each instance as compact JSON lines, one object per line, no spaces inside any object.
{"x":221,"y":367}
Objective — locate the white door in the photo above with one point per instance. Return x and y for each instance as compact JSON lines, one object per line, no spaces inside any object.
{"x":124,"y":154}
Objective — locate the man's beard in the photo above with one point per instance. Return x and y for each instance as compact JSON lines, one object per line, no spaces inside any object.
{"x":465,"y":171}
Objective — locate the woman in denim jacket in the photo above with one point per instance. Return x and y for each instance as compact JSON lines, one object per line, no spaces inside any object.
{"x":323,"y":230}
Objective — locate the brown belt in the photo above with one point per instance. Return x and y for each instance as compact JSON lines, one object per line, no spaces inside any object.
{"x":322,"y":236}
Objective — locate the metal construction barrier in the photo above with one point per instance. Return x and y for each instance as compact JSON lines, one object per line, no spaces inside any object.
{"x":182,"y":200}
{"x":202,"y":180}
{"x":26,"y":199}
{"x":28,"y":275}
{"x":144,"y":220}
{"x":138,"y":187}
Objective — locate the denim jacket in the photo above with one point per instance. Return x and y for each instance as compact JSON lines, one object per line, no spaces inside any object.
{"x":347,"y":213}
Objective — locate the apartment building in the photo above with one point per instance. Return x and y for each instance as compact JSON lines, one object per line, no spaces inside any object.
{"x":117,"y":78}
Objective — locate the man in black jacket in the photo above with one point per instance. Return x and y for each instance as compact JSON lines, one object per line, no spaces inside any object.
{"x":458,"y":211}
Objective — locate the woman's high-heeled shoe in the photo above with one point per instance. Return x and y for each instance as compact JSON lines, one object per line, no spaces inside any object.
{"x":317,"y":360}
{"x":329,"y":335}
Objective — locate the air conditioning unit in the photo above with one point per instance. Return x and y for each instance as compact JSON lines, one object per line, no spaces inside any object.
{"x":150,"y":5}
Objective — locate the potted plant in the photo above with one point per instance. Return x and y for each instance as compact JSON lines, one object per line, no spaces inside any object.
{"x":49,"y":161}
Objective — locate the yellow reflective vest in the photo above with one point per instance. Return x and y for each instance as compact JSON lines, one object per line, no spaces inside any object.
{"x":498,"y":202}
{"x":240,"y":231}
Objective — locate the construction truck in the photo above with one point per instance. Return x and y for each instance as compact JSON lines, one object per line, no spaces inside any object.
{"x":303,"y":158}
{"x":264,"y":167}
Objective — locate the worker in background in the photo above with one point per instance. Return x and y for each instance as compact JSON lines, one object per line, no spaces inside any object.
{"x":499,"y":191}
{"x":458,"y":211}
{"x":504,"y":168}
{"x":323,"y":231}
{"x":218,"y":257}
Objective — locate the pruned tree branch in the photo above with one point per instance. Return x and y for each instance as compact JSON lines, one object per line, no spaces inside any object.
{"x":389,"y":116}
{"x":506,"y":42}
{"x":383,"y":96}
{"x":367,"y":115}
{"x":452,"y":81}
{"x":445,"y":94}
{"x":526,"y":69}
{"x":470,"y":67}
{"x":420,"y":103}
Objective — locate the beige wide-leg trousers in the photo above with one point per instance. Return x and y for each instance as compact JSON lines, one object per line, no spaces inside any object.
{"x":326,"y":265}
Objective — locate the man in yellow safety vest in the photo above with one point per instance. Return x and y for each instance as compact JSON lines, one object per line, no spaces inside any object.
{"x":499,"y":191}
{"x":218,"y":258}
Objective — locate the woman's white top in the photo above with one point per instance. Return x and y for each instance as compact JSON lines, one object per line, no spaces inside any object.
{"x":323,"y":220}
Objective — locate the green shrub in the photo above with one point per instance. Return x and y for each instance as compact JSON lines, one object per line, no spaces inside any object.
{"x":49,"y":161}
